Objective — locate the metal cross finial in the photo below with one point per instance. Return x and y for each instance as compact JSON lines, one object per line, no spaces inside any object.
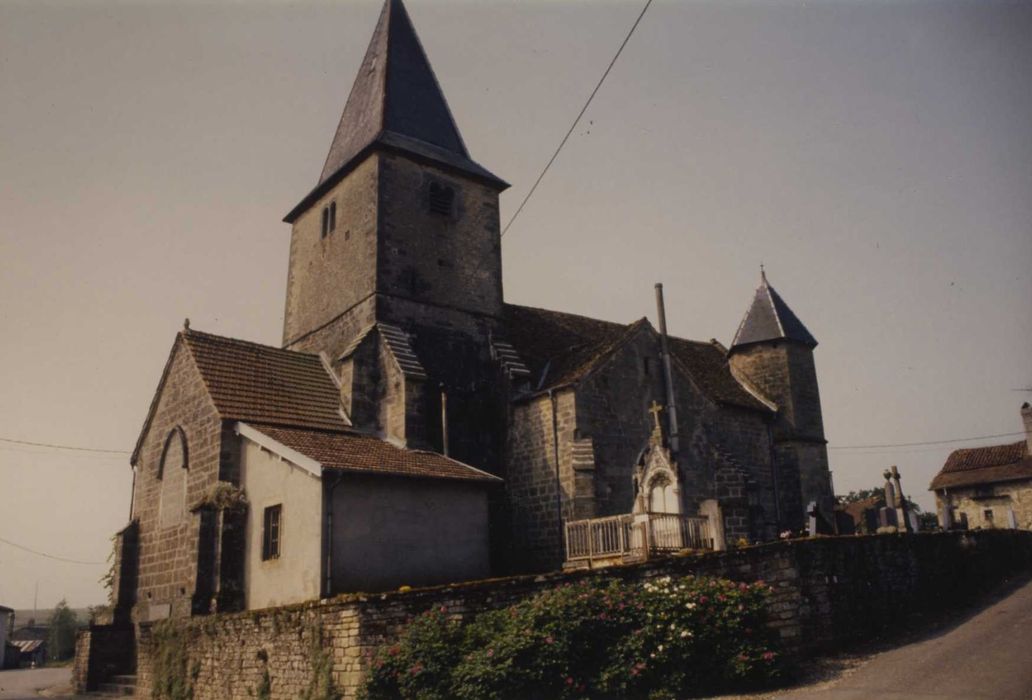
{"x":763,"y":274}
{"x":186,"y":324}
{"x":655,"y":409}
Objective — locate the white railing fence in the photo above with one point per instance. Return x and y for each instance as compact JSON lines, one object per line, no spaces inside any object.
{"x":635,"y":535}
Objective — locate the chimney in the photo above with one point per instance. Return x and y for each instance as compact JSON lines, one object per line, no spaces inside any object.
{"x":1026,"y":415}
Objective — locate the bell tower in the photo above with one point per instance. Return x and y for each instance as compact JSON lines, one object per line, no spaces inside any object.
{"x":402,"y":225}
{"x":773,"y":350}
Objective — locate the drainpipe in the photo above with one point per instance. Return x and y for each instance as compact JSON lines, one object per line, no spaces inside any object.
{"x":774,"y":478}
{"x":667,"y":374}
{"x":444,"y":422}
{"x":558,"y":484}
{"x":328,"y":574}
{"x":132,"y":495}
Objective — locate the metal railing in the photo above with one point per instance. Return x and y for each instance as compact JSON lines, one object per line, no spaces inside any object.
{"x":635,"y":536}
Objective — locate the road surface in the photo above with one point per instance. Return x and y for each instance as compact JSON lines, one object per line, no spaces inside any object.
{"x":987,"y":656}
{"x":25,"y":684}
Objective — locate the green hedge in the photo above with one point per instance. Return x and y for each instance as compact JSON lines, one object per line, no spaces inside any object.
{"x":662,"y":639}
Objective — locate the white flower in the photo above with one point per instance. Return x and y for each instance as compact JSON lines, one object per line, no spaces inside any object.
{"x":690,"y":606}
{"x":685,"y":633}
{"x":660,"y":647}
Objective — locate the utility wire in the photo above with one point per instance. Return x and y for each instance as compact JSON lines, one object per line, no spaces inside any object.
{"x":577,"y":120}
{"x":51,"y":556}
{"x":931,"y":442}
{"x":63,"y":447}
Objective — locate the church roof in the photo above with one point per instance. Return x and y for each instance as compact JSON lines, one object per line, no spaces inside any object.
{"x":769,"y":318}
{"x":396,"y":104}
{"x":560,"y":349}
{"x":984,"y":465}
{"x":264,"y":384}
{"x":349,"y":451}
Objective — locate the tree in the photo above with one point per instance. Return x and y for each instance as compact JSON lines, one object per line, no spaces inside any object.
{"x":862,"y":494}
{"x":61,"y":637}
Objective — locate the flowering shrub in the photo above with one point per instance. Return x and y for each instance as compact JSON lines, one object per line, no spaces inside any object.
{"x":661,"y":639}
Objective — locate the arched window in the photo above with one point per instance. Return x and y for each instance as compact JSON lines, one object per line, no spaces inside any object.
{"x":172,"y":471}
{"x":662,"y":497}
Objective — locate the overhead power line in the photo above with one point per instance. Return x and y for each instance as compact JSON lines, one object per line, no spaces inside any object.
{"x":63,"y":447}
{"x":50,"y":556}
{"x":579,"y":115}
{"x":930,"y":442}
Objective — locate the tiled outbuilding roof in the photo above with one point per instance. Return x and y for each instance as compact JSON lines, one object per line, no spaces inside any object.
{"x":560,"y":349}
{"x":984,"y":465}
{"x":350,"y":451}
{"x":263,"y":384}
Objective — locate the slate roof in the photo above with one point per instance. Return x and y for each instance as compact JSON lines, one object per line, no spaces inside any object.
{"x":560,"y":349}
{"x":769,"y":318}
{"x":259,"y":383}
{"x":395,"y":103}
{"x":984,"y":465}
{"x":349,"y":451}
{"x":708,"y":366}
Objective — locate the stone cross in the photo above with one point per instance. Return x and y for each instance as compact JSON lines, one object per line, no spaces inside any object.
{"x":655,"y":409}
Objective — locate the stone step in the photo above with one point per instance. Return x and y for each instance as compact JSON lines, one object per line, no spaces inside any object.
{"x":120,"y":690}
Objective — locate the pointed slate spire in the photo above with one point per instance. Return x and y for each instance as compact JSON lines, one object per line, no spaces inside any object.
{"x":769,"y":318}
{"x":396,"y":103}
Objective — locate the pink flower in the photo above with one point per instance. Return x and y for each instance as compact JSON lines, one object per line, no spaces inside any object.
{"x":569,"y":680}
{"x":443,"y":609}
{"x":549,"y":640}
{"x":768,"y":656}
{"x":490,"y":653}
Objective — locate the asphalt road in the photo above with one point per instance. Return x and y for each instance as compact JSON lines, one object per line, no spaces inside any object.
{"x":25,"y":684}
{"x":987,"y":656}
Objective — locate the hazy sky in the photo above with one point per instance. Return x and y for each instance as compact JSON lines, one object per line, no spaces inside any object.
{"x":876,"y":156}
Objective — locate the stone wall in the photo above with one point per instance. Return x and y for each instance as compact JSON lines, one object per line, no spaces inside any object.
{"x":101,"y":651}
{"x":827,"y":592}
{"x":168,"y":555}
{"x":1001,"y":499}
{"x":328,"y":275}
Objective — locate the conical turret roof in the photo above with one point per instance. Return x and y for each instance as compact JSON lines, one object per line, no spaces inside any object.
{"x":769,"y":318}
{"x":395,"y":104}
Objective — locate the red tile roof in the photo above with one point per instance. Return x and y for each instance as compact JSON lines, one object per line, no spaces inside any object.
{"x":259,"y":383}
{"x":985,"y":465}
{"x":357,"y":452}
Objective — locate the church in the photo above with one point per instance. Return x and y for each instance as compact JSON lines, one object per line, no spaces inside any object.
{"x":414,"y":428}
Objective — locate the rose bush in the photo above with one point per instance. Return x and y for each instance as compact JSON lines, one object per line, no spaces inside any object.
{"x":666,"y":638}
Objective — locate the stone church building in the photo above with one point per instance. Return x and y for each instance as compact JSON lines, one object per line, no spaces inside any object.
{"x":415,"y":428}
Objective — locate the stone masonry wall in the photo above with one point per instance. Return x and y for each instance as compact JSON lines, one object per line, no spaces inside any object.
{"x":827,"y":592}
{"x":168,"y":555}
{"x":535,"y":493}
{"x":328,"y":275}
{"x":999,"y":498}
{"x":451,"y":260}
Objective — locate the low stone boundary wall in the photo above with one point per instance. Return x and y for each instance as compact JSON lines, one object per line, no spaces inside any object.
{"x":102,"y":651}
{"x":827,"y":591}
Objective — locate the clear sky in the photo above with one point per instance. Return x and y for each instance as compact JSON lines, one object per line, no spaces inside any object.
{"x":875,"y":156}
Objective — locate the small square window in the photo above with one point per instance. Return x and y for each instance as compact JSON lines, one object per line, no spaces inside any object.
{"x":271,"y":532}
{"x":988,"y":515}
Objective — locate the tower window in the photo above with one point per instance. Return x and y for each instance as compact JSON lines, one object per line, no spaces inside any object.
{"x":329,"y":219}
{"x":271,"y":532}
{"x":441,"y":199}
